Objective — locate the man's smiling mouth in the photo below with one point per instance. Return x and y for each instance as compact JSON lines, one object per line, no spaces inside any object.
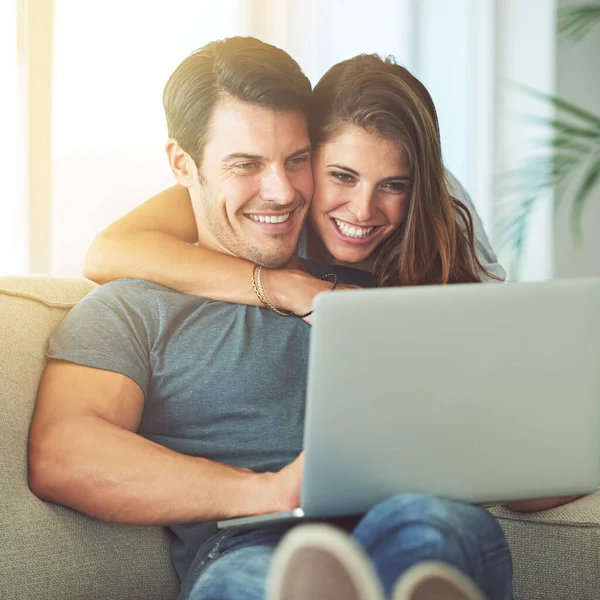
{"x":272,"y":218}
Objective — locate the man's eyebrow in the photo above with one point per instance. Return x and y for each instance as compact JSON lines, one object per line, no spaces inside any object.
{"x":245,"y":155}
{"x":237,"y":155}
{"x":299,"y":152}
{"x":393,"y":178}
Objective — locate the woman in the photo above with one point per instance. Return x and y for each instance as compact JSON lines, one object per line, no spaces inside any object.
{"x":381,"y":204}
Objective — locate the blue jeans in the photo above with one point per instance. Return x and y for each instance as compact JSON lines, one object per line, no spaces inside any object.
{"x":395,"y":534}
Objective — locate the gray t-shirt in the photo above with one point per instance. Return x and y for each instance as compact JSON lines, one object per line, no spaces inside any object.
{"x":222,"y":381}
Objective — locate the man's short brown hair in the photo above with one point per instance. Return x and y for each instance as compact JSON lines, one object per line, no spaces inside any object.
{"x":240,"y":67}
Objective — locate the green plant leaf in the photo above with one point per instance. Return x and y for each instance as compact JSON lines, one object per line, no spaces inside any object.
{"x":575,"y":21}
{"x":591,"y":179}
{"x":565,"y":128}
{"x":560,"y":104}
{"x":572,"y":147}
{"x":514,"y":230}
{"x":519,"y":220}
{"x":564,"y":144}
{"x":539,"y":172}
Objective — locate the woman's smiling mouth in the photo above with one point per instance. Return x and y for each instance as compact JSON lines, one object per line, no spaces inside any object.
{"x":355,"y":233}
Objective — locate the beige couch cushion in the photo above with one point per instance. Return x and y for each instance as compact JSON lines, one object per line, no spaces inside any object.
{"x":49,"y":551}
{"x":556,"y":553}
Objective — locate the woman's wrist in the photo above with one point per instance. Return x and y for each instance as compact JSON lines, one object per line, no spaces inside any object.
{"x":292,"y":289}
{"x":278,"y":285}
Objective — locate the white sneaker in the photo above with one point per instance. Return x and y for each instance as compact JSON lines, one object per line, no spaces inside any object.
{"x":435,"y":581}
{"x":321,"y":562}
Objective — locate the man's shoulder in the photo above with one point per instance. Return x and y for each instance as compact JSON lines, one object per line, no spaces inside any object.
{"x":346,"y":275}
{"x":137,"y":292}
{"x":121,"y":291}
{"x":124,"y":287}
{"x":125,"y":299}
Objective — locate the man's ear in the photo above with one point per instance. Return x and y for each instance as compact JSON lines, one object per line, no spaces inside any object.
{"x":182,"y":164}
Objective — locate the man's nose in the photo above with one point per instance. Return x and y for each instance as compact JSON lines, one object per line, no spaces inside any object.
{"x":276,"y":187}
{"x":361,"y":205}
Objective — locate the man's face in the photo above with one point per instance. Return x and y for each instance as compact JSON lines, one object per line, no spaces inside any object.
{"x":255,"y":182}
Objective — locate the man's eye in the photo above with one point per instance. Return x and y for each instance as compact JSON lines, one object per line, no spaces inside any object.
{"x":298,"y":161}
{"x":342,"y":177}
{"x":248,"y":166}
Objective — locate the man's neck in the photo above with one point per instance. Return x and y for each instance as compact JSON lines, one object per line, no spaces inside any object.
{"x":294,"y":263}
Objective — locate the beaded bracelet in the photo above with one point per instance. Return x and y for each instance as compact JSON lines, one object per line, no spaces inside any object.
{"x":258,"y":290}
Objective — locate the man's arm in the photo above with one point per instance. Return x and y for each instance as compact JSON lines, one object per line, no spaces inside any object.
{"x":84,"y":453}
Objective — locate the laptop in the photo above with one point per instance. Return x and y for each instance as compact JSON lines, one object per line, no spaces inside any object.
{"x":481,"y":393}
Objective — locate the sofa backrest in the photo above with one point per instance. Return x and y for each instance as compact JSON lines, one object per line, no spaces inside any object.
{"x":49,"y":551}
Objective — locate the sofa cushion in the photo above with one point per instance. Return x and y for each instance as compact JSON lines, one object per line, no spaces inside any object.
{"x":556,"y":553}
{"x":48,"y":551}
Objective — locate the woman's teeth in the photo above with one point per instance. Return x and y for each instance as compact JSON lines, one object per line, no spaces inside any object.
{"x":353,"y":230}
{"x":270,"y":218}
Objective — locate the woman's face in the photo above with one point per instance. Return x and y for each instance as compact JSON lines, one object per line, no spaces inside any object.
{"x":362,"y":191}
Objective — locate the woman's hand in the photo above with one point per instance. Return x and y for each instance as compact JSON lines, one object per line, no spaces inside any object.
{"x":539,"y":505}
{"x":295,"y":290}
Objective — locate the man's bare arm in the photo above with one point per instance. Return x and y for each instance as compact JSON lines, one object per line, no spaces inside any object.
{"x":84,"y":453}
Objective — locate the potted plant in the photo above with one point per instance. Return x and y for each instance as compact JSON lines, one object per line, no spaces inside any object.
{"x":568,"y":161}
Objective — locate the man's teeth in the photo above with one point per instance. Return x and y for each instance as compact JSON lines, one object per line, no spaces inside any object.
{"x":270,"y":218}
{"x":353,"y":230}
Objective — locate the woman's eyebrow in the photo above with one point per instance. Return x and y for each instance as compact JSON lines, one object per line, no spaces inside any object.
{"x":343,"y":167}
{"x":397,"y":178}
{"x":393,"y":178}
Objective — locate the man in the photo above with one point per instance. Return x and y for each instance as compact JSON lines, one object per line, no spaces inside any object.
{"x":167,"y":409}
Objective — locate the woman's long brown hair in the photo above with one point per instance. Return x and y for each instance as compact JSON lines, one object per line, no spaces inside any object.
{"x":435,"y":244}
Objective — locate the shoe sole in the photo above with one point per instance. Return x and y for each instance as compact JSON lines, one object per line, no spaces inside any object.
{"x":320,"y":562}
{"x":435,"y":581}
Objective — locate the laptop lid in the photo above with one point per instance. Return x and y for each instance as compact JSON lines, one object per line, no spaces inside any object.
{"x":483,"y":393}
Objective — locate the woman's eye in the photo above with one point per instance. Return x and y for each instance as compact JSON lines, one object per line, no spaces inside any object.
{"x":396,"y":187}
{"x":342,"y":177}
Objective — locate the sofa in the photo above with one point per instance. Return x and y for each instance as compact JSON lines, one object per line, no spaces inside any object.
{"x":52,"y":552}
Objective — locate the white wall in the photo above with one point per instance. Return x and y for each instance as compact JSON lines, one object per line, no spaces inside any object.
{"x":578,"y":81}
{"x":448,"y":45}
{"x":13,"y":209}
{"x":111,"y":62}
{"x":112,"y":59}
{"x":320,"y":33}
{"x":525,"y":55}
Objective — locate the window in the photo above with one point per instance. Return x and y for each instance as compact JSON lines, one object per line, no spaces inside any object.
{"x":111,"y":61}
{"x":13,"y":217}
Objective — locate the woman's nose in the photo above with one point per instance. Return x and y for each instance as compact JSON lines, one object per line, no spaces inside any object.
{"x":362,"y":205}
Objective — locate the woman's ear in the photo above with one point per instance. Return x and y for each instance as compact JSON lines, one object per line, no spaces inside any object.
{"x":182,"y":164}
